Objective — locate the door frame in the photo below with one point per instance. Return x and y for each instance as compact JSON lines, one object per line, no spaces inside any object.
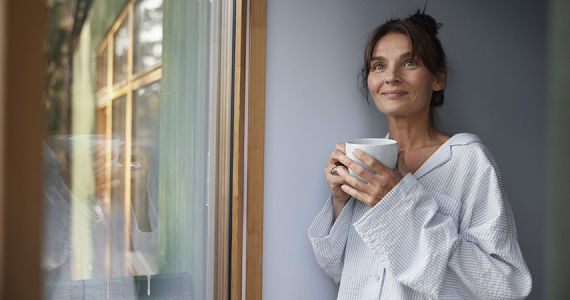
{"x":250,"y":61}
{"x":22,"y":29}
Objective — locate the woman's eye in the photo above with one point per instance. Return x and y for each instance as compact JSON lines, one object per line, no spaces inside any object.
{"x":410,"y":63}
{"x":378,"y":67}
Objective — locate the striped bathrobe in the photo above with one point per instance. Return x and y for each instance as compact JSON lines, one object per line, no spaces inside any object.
{"x":444,"y":232}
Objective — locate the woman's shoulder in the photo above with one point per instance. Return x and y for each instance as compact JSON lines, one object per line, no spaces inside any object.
{"x":464,"y":138}
{"x":469,"y":148}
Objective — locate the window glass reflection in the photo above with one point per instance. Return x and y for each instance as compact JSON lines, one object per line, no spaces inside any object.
{"x":102,"y":69}
{"x":145,"y":155}
{"x":120,"y":57}
{"x":116,"y":229}
{"x":126,"y":203}
{"x":147,"y":36}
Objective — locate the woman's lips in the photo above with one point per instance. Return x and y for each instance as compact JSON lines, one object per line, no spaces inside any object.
{"x":394,"y":94}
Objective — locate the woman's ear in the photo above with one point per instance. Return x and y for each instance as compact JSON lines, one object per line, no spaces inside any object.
{"x":439,"y":82}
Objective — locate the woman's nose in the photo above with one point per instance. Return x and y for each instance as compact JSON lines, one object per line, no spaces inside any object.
{"x":392,"y":76}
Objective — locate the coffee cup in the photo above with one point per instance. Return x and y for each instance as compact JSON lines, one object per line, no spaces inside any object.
{"x":384,"y":150}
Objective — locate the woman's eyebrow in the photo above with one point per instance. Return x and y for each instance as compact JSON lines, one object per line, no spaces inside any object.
{"x":402,"y":56}
{"x":406,"y":55}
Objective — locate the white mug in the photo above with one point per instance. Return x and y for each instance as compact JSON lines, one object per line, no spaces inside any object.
{"x":384,"y":150}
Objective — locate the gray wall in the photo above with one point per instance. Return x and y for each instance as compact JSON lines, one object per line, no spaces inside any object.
{"x":496,"y":89}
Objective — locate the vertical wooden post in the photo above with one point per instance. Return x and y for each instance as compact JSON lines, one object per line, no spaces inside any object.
{"x":128,"y":131}
{"x":23,"y":26}
{"x":238,"y":150}
{"x":253,"y":148}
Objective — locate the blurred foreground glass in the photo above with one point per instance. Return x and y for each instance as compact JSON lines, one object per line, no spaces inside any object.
{"x":127,"y":152}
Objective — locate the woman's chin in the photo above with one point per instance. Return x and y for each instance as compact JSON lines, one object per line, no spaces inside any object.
{"x":394,"y":110}
{"x":401,"y":110}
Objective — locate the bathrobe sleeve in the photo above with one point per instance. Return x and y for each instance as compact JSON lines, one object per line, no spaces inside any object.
{"x":328,"y":237}
{"x":418,"y":239}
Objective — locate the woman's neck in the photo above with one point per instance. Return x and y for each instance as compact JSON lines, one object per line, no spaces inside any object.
{"x":413,"y":133}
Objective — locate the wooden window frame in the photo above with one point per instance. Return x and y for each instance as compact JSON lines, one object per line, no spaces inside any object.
{"x":250,"y":56}
{"x":222,"y":88}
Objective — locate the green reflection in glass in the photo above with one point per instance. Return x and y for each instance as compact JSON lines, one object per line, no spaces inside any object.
{"x":147,"y":36}
{"x":120,"y":58}
{"x":145,"y":155}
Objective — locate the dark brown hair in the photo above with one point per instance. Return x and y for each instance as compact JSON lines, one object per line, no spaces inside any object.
{"x":422,"y":30}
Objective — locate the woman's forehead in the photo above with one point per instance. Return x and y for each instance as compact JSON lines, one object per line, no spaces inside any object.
{"x":392,"y":44}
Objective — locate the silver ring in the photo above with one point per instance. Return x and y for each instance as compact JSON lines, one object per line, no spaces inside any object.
{"x":333,"y":171}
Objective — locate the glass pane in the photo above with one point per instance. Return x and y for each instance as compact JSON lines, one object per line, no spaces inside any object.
{"x":147,"y":49}
{"x":129,"y":203}
{"x":121,"y":49}
{"x":102,"y":69}
{"x":100,"y":150}
{"x":145,"y":157}
{"x":116,"y":231}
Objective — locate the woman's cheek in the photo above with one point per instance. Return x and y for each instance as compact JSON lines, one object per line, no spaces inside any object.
{"x":374,"y":83}
{"x":379,"y":103}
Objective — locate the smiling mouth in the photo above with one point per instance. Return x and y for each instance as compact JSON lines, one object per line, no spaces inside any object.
{"x":394,"y":94}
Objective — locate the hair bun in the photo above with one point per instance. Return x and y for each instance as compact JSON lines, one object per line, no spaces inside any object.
{"x":426,"y":21}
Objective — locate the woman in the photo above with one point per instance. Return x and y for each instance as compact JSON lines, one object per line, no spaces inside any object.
{"x":437,"y":227}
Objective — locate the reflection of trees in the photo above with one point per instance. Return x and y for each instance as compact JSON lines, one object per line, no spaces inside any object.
{"x":121,"y":47}
{"x":147,"y":34}
{"x":65,"y":19}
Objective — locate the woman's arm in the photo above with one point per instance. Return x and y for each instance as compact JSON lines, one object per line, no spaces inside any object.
{"x":329,"y":236}
{"x":329,"y":231}
{"x":419,"y":245}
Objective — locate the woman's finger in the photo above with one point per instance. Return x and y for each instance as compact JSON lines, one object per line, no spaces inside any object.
{"x":370,"y":161}
{"x":328,"y":170}
{"x":335,"y":179}
{"x":337,"y":155}
{"x":333,"y":158}
{"x":358,"y":194}
{"x":340,"y":147}
{"x":332,"y":168}
{"x":353,"y":181}
{"x":357,"y":168}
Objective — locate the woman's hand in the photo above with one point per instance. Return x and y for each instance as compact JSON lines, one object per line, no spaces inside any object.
{"x":332,"y":167}
{"x":377,"y":185}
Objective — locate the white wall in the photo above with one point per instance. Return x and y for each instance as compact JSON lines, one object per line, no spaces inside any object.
{"x":314,"y":53}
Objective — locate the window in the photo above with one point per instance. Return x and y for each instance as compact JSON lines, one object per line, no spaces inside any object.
{"x":195,"y":34}
{"x":144,"y":209}
{"x":137,"y":186}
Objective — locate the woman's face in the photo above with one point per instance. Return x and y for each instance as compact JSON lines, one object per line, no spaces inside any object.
{"x":400,"y":84}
